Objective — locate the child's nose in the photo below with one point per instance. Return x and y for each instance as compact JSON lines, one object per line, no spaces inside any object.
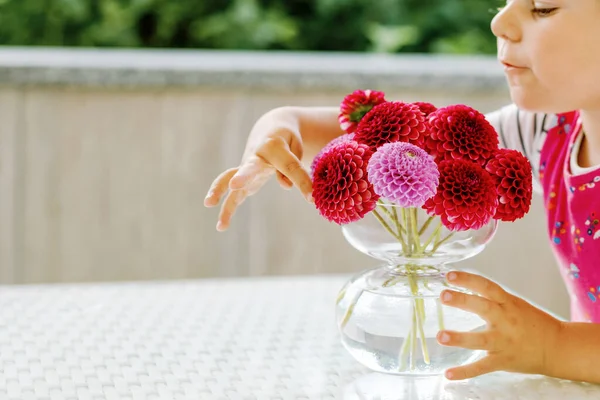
{"x":505,"y":24}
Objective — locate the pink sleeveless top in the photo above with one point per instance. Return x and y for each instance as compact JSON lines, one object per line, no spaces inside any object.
{"x":573,"y":210}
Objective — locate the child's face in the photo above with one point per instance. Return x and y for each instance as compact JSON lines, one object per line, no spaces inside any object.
{"x":555,"y":45}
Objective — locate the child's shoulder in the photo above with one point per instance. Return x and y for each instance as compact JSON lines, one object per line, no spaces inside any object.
{"x":565,"y":122}
{"x":528,"y":131}
{"x":520,"y":129}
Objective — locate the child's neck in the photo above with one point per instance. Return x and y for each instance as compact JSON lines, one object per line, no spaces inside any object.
{"x":589,"y":152}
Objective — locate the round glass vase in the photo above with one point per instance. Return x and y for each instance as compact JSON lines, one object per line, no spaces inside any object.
{"x":389,"y":316}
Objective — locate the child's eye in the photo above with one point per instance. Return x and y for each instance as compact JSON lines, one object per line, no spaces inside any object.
{"x":543,"y":12}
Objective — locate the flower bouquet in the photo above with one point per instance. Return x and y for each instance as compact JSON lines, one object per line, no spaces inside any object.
{"x":418,"y":187}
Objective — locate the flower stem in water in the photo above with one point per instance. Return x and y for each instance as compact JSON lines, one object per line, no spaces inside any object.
{"x":413,"y":341}
{"x":406,"y":345}
{"x":419,"y":306}
{"x":413,"y":247}
{"x":350,"y":309}
{"x":440,"y":314}
{"x":340,"y":296}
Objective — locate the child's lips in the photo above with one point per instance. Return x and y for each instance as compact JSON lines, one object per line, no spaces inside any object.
{"x":509,"y":67}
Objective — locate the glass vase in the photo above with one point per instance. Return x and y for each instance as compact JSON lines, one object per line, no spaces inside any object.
{"x":389,"y":316}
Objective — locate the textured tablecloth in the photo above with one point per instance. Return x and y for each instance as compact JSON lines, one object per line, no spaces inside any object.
{"x":254,"y":338}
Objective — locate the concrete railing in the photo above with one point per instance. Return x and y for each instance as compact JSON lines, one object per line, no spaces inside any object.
{"x":105,"y":157}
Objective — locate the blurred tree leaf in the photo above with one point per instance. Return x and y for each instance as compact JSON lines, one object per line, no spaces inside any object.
{"x":390,"y":39}
{"x":449,"y":26}
{"x":255,"y":27}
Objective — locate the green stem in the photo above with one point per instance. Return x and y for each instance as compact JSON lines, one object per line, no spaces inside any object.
{"x":397,"y":236}
{"x":399,"y":227}
{"x":383,"y":208}
{"x":413,"y":215}
{"x":421,"y":328}
{"x":440,"y":313}
{"x":340,"y":296}
{"x":401,"y":230}
{"x":420,"y":314}
{"x":408,"y":349}
{"x":385,"y":224}
{"x":426,"y":225}
{"x":395,"y":218}
{"x":390,"y":282}
{"x":426,"y":284}
{"x":438,"y":244}
{"x":406,"y":345}
{"x":413,"y":341}
{"x":433,"y":235}
{"x":409,"y":236}
{"x":393,"y":215}
{"x":350,"y":310}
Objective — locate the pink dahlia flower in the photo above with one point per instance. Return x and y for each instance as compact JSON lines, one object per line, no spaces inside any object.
{"x":403,"y":173}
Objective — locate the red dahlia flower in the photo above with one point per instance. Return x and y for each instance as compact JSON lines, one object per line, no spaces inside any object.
{"x":512,"y":173}
{"x":391,"y":122}
{"x":460,"y":132}
{"x":340,"y":139}
{"x":466,"y":197}
{"x":341,"y":189}
{"x":356,"y":105}
{"x":426,"y":108}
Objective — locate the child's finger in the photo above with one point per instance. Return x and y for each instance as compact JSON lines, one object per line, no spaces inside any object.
{"x":284,"y":182}
{"x":481,"y":367}
{"x":231,"y":203}
{"x":466,"y":340}
{"x":485,"y":308}
{"x":248,"y":172}
{"x":276,"y":151}
{"x":219,"y":187}
{"x":478,"y":284}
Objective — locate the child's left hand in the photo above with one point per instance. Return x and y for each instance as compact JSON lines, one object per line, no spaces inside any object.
{"x":518,"y":334}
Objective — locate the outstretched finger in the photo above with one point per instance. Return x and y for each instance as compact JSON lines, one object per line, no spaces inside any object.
{"x":230,"y":205}
{"x":278,"y":154}
{"x":284,"y":182}
{"x":219,"y":187}
{"x":482,"y":306}
{"x":466,"y":340}
{"x":248,"y":172}
{"x":478,"y":284}
{"x":481,"y":367}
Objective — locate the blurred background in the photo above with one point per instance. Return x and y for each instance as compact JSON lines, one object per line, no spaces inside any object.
{"x":441,"y":26}
{"x":115,"y":116}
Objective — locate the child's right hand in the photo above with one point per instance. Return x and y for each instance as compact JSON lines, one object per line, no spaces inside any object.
{"x":274,"y":147}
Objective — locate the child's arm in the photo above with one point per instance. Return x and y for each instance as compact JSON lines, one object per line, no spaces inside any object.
{"x":519,"y":337}
{"x":576,"y":353}
{"x":277,"y":144}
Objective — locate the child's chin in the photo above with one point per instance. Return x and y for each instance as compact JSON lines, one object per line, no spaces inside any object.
{"x":537,"y":104}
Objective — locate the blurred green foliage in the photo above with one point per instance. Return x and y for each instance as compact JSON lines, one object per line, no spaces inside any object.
{"x":448,"y":26}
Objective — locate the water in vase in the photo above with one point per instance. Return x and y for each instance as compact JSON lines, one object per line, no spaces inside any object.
{"x":395,"y":333}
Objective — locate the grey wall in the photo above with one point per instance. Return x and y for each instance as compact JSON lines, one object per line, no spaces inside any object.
{"x":105,"y":158}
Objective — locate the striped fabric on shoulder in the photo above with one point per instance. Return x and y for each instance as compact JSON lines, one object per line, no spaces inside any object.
{"x":523,"y":131}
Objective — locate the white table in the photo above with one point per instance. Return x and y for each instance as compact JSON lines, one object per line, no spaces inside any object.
{"x":254,"y":338}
